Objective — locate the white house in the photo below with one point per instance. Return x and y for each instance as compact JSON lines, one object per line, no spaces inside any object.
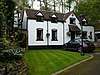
{"x":88,"y":32}
{"x":49,"y":29}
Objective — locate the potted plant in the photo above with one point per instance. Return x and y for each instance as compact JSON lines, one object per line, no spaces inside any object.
{"x":90,"y":37}
{"x":69,"y":33}
{"x":48,"y":34}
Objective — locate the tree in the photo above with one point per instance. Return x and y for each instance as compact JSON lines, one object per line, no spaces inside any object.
{"x":68,"y":5}
{"x":3,"y":19}
{"x":56,"y":5}
{"x":8,"y":53}
{"x":91,"y":10}
{"x":45,"y":5}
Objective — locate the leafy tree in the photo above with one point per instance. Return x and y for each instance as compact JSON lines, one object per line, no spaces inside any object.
{"x":8,"y":39}
{"x":3,"y":39}
{"x":8,"y":54}
{"x":91,"y":10}
{"x":56,"y":5}
{"x":68,"y":4}
{"x":45,"y":4}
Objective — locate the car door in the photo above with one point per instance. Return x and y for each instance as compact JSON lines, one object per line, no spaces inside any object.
{"x":72,"y":45}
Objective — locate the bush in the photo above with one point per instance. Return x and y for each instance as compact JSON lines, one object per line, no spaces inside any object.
{"x":11,"y":54}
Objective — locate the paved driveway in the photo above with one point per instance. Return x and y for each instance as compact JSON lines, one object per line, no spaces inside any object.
{"x":90,"y":67}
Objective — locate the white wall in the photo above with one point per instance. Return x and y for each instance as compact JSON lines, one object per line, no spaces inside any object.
{"x":89,"y":29}
{"x":74,"y":16}
{"x":66,"y":28}
{"x":24,"y":20}
{"x":59,"y":27}
{"x":32,"y":32}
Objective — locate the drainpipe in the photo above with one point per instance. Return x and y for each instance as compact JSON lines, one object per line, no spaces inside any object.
{"x":63,"y":34}
{"x":47,"y":36}
{"x":27,"y":33}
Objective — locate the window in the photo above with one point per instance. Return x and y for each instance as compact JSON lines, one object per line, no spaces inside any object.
{"x":84,"y":35}
{"x":90,"y":36}
{"x":84,"y":23}
{"x":72,"y":21}
{"x":54,"y":20}
{"x":39,"y":34}
{"x":54,"y":35}
{"x":39,"y":19}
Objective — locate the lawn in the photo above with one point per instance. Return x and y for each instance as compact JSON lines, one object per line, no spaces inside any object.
{"x":46,"y":62}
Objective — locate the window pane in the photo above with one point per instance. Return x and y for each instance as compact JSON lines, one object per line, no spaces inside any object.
{"x":39,"y":19}
{"x":90,"y":36}
{"x":54,"y":20}
{"x":39,"y":34}
{"x":84,"y":35}
{"x":72,"y":21}
{"x":54,"y":35}
{"x":83,"y":22}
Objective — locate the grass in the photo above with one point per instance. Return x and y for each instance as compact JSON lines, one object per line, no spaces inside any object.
{"x":46,"y":62}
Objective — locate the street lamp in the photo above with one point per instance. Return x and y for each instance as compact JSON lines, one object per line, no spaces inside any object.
{"x":81,"y":23}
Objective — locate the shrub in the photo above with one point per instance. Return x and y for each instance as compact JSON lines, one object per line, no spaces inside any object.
{"x":11,"y":54}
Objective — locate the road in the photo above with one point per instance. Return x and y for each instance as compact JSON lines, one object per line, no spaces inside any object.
{"x":90,"y":67}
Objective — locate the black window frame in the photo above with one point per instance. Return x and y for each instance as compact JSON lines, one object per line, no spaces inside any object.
{"x":84,"y":23}
{"x":39,"y":34}
{"x":54,"y":35}
{"x":39,"y":18}
{"x":90,"y":36}
{"x":72,"y":20}
{"x":54,"y":20}
{"x":84,"y":34}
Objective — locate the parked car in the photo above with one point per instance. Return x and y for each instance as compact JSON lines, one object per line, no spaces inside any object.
{"x":76,"y":45}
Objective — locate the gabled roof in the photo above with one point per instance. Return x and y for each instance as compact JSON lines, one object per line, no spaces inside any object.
{"x":31,"y":14}
{"x":67,"y":15}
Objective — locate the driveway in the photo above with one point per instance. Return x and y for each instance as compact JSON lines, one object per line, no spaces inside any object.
{"x":90,"y":67}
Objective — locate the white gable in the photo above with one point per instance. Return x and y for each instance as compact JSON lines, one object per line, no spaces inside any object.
{"x":54,"y":16}
{"x":84,"y":20}
{"x":39,"y":14}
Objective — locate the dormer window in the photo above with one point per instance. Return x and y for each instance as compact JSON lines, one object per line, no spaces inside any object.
{"x":84,"y":22}
{"x":72,"y":20}
{"x":39,"y":17}
{"x":54,"y":19}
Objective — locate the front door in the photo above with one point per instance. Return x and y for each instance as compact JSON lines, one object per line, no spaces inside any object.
{"x":72,"y":35}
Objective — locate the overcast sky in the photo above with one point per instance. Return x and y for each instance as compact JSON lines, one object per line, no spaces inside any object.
{"x":37,"y":5}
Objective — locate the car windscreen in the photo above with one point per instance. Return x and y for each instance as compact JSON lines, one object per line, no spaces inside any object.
{"x":80,"y":41}
{"x":86,"y":41}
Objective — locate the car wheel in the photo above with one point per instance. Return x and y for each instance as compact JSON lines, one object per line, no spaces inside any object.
{"x":91,"y":51}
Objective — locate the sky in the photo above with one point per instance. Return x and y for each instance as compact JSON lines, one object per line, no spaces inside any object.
{"x":36,"y":5}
